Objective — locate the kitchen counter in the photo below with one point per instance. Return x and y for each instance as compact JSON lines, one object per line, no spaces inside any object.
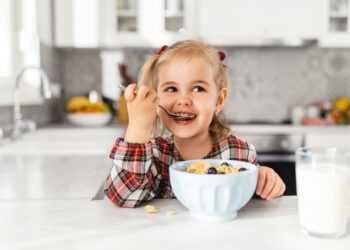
{"x":69,"y":140}
{"x":85,"y":224}
{"x":47,"y":182}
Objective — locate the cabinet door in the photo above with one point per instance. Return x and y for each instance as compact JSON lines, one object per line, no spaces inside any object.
{"x":259,"y":19}
{"x":76,"y":23}
{"x":144,"y":23}
{"x":335,"y":23}
{"x":123,"y":22}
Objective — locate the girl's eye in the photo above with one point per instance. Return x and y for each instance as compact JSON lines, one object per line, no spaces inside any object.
{"x":170,"y":89}
{"x":198,"y":89}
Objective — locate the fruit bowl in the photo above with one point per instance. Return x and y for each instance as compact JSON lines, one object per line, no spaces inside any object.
{"x":89,"y":119}
{"x":215,"y":197}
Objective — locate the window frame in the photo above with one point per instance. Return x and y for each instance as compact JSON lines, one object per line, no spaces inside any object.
{"x":25,"y":50}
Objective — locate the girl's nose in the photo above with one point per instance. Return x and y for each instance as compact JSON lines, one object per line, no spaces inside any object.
{"x":184,"y":100}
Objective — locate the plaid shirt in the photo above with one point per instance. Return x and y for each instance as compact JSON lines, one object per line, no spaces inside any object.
{"x":141,"y":171}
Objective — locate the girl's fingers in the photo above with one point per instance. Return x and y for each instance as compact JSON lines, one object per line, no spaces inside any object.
{"x":261,"y":180}
{"x":278,"y":190}
{"x":283,"y":189}
{"x":142,"y":92}
{"x":146,"y":93}
{"x":269,"y":184}
{"x":275,"y":192}
{"x":130,"y":92}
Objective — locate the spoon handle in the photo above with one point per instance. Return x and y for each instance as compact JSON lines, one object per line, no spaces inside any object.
{"x":121,"y":86}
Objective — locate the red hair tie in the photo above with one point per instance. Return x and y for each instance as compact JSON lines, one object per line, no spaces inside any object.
{"x":222,"y":56}
{"x":161,"y":50}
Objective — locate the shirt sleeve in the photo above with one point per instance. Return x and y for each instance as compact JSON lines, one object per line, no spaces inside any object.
{"x":252,"y":154}
{"x":133,"y":177}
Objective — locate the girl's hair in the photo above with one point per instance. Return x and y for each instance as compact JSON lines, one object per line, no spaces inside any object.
{"x":187,"y":50}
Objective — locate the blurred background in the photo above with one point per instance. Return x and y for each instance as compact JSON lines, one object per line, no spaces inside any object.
{"x":287,"y":59}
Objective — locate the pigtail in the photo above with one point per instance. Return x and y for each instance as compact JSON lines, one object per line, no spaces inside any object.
{"x":218,"y":130}
{"x":147,"y":73}
{"x":148,"y":77}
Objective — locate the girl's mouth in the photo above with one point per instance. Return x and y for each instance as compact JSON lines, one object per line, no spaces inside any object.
{"x":184,"y":118}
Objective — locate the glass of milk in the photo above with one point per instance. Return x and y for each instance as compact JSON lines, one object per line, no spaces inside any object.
{"x":323,"y":188}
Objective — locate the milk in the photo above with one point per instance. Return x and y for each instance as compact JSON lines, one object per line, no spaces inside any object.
{"x":323,"y":198}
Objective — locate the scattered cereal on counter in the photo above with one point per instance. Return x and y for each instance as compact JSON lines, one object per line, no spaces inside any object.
{"x":150,"y":209}
{"x":170,"y":213}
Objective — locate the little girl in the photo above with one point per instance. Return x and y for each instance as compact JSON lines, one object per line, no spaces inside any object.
{"x":185,"y":78}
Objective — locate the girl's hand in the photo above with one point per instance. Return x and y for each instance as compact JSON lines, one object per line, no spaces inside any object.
{"x":270,"y":185}
{"x":142,"y":111}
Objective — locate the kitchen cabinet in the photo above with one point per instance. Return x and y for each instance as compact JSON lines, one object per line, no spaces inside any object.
{"x":77,"y":23}
{"x":224,"y":22}
{"x":144,"y":24}
{"x":335,"y":23}
{"x":117,"y":23}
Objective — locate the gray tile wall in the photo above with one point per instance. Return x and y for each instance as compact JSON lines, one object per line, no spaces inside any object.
{"x":265,"y":82}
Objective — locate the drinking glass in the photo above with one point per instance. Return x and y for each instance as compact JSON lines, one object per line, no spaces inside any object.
{"x":323,"y":188}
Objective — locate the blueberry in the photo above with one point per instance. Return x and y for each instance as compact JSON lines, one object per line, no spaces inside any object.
{"x":212,"y":170}
{"x":242,"y":169}
{"x":225,"y":164}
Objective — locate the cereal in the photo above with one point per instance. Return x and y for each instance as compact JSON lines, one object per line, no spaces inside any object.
{"x":170,"y":213}
{"x":202,"y":167}
{"x":150,"y":209}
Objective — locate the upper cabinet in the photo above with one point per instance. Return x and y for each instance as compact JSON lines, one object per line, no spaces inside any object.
{"x":77,"y":23}
{"x":115,"y":23}
{"x":152,"y":23}
{"x":224,"y":22}
{"x":147,"y":23}
{"x":336,"y":23}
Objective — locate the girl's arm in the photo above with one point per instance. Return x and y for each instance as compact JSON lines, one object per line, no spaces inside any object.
{"x":134,"y":177}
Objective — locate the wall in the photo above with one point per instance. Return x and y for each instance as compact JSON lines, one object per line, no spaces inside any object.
{"x":265,"y":82}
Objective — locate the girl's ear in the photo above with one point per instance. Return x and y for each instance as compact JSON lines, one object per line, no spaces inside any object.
{"x":221,"y":100}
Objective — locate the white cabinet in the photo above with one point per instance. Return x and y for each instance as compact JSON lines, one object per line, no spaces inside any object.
{"x":116,"y":23}
{"x":146,"y":23}
{"x":77,"y":23}
{"x":335,"y":23}
{"x":223,"y":20}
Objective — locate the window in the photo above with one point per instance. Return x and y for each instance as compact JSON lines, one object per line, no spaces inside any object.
{"x":19,"y":47}
{"x":6,"y":41}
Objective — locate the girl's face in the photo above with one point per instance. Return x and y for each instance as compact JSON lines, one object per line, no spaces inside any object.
{"x":188,"y":87}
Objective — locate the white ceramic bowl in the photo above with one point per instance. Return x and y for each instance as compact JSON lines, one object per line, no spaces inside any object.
{"x":213,"y":197}
{"x":89,"y":119}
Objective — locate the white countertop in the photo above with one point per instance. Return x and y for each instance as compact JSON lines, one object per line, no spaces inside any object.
{"x":84,"y":224}
{"x":68,"y":140}
{"x":289,"y":129}
{"x":45,"y":203}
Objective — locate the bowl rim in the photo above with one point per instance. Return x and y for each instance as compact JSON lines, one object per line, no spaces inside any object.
{"x":172,"y":168}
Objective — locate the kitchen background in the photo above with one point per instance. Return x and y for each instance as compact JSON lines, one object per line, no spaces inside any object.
{"x":266,"y":81}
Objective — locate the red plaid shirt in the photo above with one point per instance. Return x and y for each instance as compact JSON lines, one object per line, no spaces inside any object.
{"x":141,"y":171}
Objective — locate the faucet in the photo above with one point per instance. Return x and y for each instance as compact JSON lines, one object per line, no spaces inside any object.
{"x":20,"y":125}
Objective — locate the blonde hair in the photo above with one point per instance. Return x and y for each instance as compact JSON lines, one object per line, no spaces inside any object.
{"x":186,"y":50}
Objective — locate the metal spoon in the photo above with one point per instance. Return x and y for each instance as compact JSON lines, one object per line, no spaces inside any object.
{"x":169,"y":113}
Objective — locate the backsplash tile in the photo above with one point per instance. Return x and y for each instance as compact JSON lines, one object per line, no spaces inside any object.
{"x":80,"y":71}
{"x":265,"y":82}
